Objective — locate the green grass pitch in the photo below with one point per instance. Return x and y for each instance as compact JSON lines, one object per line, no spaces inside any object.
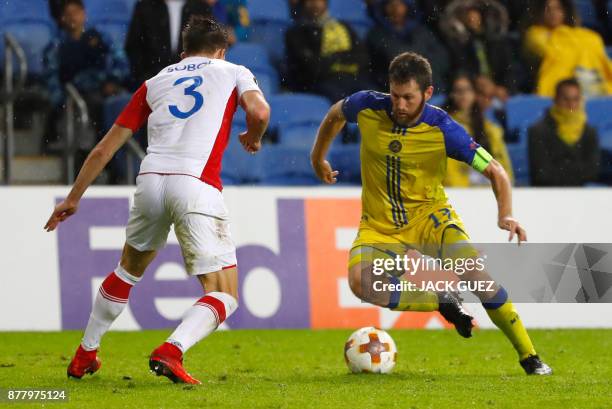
{"x":305,"y":369}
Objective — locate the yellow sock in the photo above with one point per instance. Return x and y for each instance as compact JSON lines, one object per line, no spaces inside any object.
{"x":503,"y":314}
{"x":423,"y":301}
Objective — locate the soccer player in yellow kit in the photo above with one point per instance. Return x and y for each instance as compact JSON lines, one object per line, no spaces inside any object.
{"x":405,"y":143}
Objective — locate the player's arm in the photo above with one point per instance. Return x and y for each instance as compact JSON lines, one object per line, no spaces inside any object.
{"x":97,"y":159}
{"x":257,"y":118}
{"x":331,"y":125}
{"x":502,"y":187}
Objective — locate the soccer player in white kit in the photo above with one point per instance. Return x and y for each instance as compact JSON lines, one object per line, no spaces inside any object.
{"x":189,"y":107}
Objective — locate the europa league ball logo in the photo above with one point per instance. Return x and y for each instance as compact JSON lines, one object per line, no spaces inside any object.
{"x":395,"y":146}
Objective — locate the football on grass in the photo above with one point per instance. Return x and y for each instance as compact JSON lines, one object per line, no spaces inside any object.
{"x":370,"y":350}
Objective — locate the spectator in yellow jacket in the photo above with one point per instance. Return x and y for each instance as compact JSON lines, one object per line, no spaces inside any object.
{"x":463,"y":107}
{"x":564,"y":50}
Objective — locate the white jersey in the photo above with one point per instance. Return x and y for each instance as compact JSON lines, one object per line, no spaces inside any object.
{"x":189,"y":106}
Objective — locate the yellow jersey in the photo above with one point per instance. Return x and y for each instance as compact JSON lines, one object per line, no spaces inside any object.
{"x":402,"y":168}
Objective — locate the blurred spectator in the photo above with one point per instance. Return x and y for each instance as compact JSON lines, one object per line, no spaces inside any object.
{"x":463,"y":106}
{"x":55,"y":10}
{"x":563,"y":148}
{"x":324,"y":55}
{"x":518,"y":12}
{"x":153,"y":40}
{"x":400,"y":32}
{"x":603,"y":8}
{"x":476,"y":34}
{"x":85,"y":58}
{"x":237,"y":17}
{"x":563,"y":50}
{"x":432,"y":10}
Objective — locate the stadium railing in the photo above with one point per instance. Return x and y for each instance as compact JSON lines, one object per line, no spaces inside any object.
{"x":12,"y":87}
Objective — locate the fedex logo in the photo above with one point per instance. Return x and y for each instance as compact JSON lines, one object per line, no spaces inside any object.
{"x":302,"y":285}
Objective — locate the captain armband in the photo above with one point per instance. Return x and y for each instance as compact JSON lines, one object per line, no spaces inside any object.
{"x":481,"y":160}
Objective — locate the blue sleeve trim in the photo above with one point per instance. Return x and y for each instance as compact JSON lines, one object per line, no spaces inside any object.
{"x":353,"y":104}
{"x":395,"y":295}
{"x":497,"y":301}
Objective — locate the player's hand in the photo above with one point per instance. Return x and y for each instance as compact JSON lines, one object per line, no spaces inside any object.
{"x":514,"y":227}
{"x":324,"y":171}
{"x":61,"y":212}
{"x":248,"y":144}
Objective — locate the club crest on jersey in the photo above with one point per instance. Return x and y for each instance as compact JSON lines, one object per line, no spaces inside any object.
{"x":395,"y":146}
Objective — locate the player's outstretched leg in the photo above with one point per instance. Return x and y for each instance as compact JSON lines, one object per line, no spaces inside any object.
{"x":503,"y":314}
{"x":199,"y":321}
{"x":362,"y":283}
{"x":110,"y":301}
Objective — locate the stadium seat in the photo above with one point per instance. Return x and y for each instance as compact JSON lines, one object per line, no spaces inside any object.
{"x":522,"y":111}
{"x":33,"y":37}
{"x":25,"y":10}
{"x":519,"y":156}
{"x":300,"y":136}
{"x":108,"y":10}
{"x":286,"y":165}
{"x":267,"y":81}
{"x":598,"y":110}
{"x":238,"y":166}
{"x":438,"y":100}
{"x":268,"y":26}
{"x":346,"y":159}
{"x":297,"y":108}
{"x":255,"y":57}
{"x":587,"y":13}
{"x":31,"y":25}
{"x":352,"y":12}
{"x":115,"y":31}
{"x":113,"y":107}
{"x":252,"y":56}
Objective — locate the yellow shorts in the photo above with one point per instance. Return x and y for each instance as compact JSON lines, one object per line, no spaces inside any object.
{"x":438,"y":233}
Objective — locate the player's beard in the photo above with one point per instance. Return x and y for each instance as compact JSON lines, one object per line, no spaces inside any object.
{"x":410,"y":119}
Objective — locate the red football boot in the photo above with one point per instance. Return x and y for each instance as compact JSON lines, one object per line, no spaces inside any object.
{"x":167,"y":360}
{"x":83,"y":362}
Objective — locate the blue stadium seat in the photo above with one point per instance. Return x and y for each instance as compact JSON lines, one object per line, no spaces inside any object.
{"x":286,"y":165}
{"x":33,"y":37}
{"x":255,"y":57}
{"x":519,"y":156}
{"x":598,"y":110}
{"x":252,"y":56}
{"x":262,"y":10}
{"x":116,"y":32}
{"x":108,"y":10}
{"x":25,"y":10}
{"x":267,"y":81}
{"x":297,"y":109}
{"x":353,"y":12}
{"x":113,"y":107}
{"x":438,"y":100}
{"x":238,"y":166}
{"x":346,"y":159}
{"x":268,"y":26}
{"x":301,"y":136}
{"x":522,"y":111}
{"x":587,"y":13}
{"x":30,"y":23}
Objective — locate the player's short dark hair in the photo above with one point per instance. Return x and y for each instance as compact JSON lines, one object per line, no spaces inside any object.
{"x":203,"y":34}
{"x":411,"y":66}
{"x":66,"y":3}
{"x":570,"y":82}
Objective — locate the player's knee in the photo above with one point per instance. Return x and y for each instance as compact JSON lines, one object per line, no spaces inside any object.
{"x":355,"y":280}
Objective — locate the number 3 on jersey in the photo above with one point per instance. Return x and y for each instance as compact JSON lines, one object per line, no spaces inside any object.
{"x":190,"y":90}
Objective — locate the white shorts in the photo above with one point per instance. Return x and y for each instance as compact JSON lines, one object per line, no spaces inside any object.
{"x":199,"y":216}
